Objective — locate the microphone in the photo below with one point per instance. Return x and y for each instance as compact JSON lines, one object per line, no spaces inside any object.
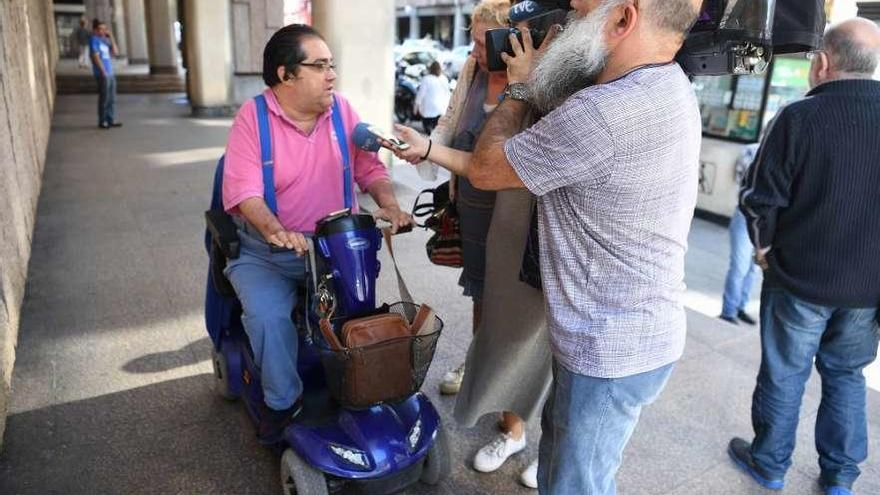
{"x":369,"y":138}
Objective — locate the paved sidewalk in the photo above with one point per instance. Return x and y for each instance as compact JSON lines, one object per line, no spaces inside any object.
{"x":112,"y":389}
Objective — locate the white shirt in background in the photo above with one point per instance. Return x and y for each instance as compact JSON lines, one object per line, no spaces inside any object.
{"x":433,"y":96}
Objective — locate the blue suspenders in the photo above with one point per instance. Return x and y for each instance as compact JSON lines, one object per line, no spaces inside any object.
{"x":341,"y":138}
{"x":268,"y":162}
{"x":266,"y":154}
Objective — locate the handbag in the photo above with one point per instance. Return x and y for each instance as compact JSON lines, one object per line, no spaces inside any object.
{"x":530,"y":269}
{"x":440,"y":215}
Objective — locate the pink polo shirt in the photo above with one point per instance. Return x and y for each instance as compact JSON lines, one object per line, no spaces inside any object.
{"x":308,"y":167}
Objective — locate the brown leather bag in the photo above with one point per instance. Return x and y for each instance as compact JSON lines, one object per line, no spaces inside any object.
{"x":381,"y":364}
{"x":369,"y":330}
{"x":378,"y":363}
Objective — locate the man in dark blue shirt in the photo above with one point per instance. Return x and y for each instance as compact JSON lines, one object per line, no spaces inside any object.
{"x":812,"y":198}
{"x":102,"y":47}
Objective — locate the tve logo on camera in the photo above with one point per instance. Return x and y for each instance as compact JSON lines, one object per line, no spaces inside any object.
{"x":521,"y":8}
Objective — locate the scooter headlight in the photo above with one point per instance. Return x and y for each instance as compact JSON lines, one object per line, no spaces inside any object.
{"x":415,"y":434}
{"x":352,"y":456}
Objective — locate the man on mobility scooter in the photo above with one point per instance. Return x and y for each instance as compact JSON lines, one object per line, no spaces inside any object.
{"x":309,"y":164}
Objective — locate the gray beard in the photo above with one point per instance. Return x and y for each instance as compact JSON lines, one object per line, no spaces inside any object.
{"x":573,"y":60}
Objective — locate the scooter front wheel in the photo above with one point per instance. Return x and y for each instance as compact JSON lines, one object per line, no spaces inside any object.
{"x":299,"y":478}
{"x":438,"y":465}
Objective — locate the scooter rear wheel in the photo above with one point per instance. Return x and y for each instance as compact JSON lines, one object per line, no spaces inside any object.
{"x":299,"y":478}
{"x":221,"y":375}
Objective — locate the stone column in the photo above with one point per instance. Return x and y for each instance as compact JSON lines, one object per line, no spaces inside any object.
{"x":208,"y":42}
{"x":414,"y":33}
{"x":162,"y":47}
{"x":364,"y":54}
{"x":120,"y":31}
{"x":458,"y":38}
{"x":136,"y":31}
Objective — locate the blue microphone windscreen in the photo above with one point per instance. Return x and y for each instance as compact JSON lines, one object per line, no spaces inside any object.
{"x":364,"y":139}
{"x":525,"y":10}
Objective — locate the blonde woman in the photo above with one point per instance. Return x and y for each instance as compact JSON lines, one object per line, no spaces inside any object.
{"x":509,"y":361}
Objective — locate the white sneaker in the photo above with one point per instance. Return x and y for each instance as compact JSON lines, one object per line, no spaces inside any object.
{"x":451,"y":382}
{"x":529,"y":477}
{"x":492,"y":456}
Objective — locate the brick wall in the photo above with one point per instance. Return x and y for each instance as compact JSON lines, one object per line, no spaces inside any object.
{"x":28,"y":52}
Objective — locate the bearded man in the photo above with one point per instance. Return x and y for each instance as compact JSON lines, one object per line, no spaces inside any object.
{"x":614,"y":164}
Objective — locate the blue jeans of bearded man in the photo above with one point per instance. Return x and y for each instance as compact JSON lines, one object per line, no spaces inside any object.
{"x":842,"y":341}
{"x":266,"y":284}
{"x":586,"y":424}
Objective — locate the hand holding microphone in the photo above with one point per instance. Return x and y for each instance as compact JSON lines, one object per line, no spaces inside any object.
{"x":410,"y":146}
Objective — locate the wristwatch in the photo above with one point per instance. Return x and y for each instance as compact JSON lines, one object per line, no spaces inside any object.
{"x":518,"y":91}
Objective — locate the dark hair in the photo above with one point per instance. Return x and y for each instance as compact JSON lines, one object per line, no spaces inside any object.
{"x":96,"y":22}
{"x":435,"y":68}
{"x":285,"y":49}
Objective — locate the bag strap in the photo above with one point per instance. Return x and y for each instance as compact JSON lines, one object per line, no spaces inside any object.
{"x":424,"y":209}
{"x":330,"y":335}
{"x":266,"y":153}
{"x":342,"y":141}
{"x":405,"y":296}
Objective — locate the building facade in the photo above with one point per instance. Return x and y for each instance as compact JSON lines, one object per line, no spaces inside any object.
{"x":27,"y":97}
{"x":445,"y":21}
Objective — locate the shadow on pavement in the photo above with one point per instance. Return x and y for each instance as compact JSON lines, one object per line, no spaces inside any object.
{"x":156,"y":362}
{"x":172,"y":437}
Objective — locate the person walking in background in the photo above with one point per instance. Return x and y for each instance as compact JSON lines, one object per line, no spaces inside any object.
{"x":81,"y":36}
{"x":432,"y":97}
{"x":811,"y":200}
{"x":102,"y":47}
{"x":742,"y":270}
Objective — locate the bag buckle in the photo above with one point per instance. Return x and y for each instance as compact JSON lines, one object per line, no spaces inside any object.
{"x":326,"y":301}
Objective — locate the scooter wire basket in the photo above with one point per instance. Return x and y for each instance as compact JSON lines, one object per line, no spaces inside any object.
{"x":385,"y":372}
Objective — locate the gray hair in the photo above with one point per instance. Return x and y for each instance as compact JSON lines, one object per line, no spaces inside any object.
{"x":848,"y":55}
{"x":675,"y":16}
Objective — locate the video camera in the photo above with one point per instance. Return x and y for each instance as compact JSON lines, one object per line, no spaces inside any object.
{"x":541,"y":16}
{"x":729,"y":37}
{"x":741,"y":36}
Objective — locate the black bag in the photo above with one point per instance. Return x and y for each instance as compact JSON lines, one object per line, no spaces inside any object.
{"x":440,"y":215}
{"x":530,"y":271}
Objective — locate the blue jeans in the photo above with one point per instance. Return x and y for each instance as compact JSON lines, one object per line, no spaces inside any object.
{"x":585,"y":426}
{"x":266,"y":284}
{"x":742,"y":270}
{"x":842,"y":341}
{"x":106,"y":99}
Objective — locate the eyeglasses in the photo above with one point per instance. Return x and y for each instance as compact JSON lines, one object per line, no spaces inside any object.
{"x":323,"y":65}
{"x":813,"y":55}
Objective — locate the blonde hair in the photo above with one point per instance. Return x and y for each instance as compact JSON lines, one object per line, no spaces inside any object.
{"x":491,"y":13}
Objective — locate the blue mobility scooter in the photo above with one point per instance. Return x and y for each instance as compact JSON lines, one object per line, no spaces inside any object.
{"x":338,"y":443}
